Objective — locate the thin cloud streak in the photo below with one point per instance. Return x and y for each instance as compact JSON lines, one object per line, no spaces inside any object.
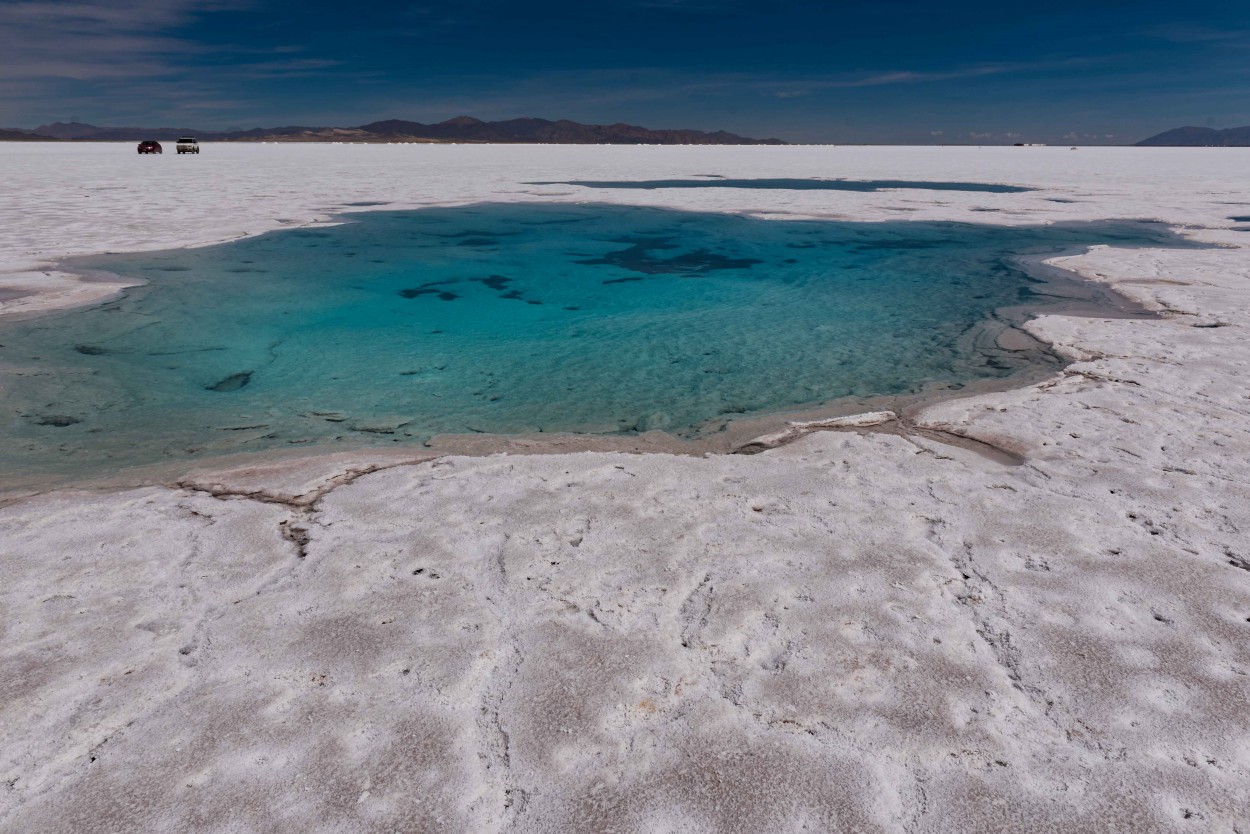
{"x":100,"y":39}
{"x":656,"y":83}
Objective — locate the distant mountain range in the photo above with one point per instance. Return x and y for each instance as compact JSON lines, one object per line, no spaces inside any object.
{"x":1200,"y":137}
{"x":22,"y":136}
{"x":513,"y":131}
{"x":459,"y":129}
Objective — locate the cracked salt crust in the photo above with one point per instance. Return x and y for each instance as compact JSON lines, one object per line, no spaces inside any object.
{"x":857,"y":631}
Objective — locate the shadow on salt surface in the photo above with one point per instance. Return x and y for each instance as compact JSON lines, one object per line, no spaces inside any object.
{"x":796,"y":185}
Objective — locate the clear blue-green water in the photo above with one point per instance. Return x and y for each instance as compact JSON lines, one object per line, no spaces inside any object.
{"x":398,"y":326}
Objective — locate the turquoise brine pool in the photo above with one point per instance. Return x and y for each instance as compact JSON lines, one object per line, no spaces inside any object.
{"x":513,"y":319}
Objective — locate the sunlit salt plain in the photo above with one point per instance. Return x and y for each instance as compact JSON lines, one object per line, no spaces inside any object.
{"x":1015,"y":611}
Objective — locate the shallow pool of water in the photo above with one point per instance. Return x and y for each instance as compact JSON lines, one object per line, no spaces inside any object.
{"x":711,"y":181}
{"x":507,"y":318}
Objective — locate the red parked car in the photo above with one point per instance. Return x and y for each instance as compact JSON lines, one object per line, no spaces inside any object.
{"x":150,"y":147}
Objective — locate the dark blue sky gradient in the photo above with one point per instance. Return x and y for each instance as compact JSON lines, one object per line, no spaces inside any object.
{"x":884,"y":71}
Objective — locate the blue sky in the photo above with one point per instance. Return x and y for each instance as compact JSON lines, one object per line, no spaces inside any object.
{"x":849,"y":71}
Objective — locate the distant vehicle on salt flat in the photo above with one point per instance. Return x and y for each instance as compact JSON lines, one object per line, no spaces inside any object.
{"x":187,"y":144}
{"x":150,"y":147}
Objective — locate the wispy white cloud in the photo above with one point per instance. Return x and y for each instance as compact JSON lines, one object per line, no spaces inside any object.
{"x":134,"y":57}
{"x":93,"y":39}
{"x":573,"y":92}
{"x":898,"y":77}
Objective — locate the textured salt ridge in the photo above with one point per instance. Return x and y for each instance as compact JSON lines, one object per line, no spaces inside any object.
{"x":796,"y":429}
{"x":857,"y":630}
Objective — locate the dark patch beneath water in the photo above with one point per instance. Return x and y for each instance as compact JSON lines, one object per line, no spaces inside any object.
{"x":898,"y":244}
{"x":640,"y":258}
{"x":495,"y":282}
{"x":796,"y":185}
{"x":431,"y":288}
{"x":1244,"y":218}
{"x":60,"y":421}
{"x":474,"y":233}
{"x":231,"y":383}
{"x":499,"y":284}
{"x":563,"y":221}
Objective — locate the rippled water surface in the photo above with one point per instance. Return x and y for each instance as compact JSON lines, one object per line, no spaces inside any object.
{"x":507,"y":318}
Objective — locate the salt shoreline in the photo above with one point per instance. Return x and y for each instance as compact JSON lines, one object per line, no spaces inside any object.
{"x":870,"y":632}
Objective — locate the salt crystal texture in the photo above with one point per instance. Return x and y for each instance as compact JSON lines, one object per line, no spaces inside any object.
{"x":860,"y":630}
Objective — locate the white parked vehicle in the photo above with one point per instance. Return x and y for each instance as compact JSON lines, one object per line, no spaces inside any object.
{"x":187,"y":144}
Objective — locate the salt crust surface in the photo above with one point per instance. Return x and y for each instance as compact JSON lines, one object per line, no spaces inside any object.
{"x":857,"y":631}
